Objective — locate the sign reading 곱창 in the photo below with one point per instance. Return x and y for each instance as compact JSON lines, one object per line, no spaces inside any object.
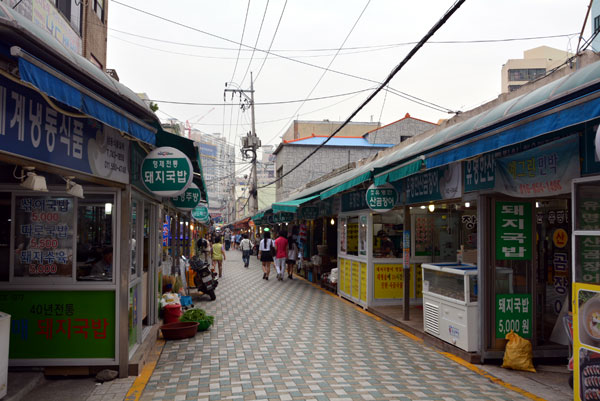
{"x":167,"y":172}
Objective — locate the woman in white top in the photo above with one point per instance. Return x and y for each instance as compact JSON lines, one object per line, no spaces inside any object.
{"x":265,"y":255}
{"x":292,"y":255}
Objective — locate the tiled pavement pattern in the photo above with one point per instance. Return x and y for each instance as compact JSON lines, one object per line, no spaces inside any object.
{"x":291,"y":341}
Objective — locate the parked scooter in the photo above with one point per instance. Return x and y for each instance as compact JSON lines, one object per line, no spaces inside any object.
{"x":204,"y":279}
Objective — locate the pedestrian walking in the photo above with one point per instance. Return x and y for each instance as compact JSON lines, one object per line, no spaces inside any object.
{"x":246,"y":247}
{"x":265,"y":253}
{"x":238,"y":240}
{"x":292,"y":256}
{"x":281,"y":246}
{"x":218,"y":255}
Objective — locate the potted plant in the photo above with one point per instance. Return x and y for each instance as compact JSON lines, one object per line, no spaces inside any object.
{"x":197,"y":315}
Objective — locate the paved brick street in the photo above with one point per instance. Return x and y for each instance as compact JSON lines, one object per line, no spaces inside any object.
{"x":291,"y":341}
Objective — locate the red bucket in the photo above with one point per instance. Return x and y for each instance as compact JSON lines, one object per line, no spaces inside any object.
{"x":172,"y":313}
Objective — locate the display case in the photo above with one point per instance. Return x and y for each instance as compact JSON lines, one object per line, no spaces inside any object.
{"x":450,"y":303}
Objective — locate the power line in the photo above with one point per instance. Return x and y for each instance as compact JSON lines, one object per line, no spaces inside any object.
{"x":250,"y":47}
{"x":324,"y":72}
{"x":272,"y":40}
{"x":241,"y":41}
{"x":256,"y":43}
{"x":345,"y":50}
{"x":422,"y":42}
{"x":262,"y":103}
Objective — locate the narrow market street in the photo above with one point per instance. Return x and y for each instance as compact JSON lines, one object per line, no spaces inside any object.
{"x":292,"y":341}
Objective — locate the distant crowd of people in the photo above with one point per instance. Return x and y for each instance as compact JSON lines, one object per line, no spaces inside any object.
{"x":283,"y":251}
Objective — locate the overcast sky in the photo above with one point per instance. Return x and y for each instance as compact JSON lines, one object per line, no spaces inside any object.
{"x":171,"y":62}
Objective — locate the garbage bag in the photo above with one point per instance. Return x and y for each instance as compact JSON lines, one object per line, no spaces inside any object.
{"x":518,"y":354}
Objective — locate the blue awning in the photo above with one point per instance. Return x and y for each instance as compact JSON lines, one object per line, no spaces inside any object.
{"x":75,"y":95}
{"x":495,"y":140}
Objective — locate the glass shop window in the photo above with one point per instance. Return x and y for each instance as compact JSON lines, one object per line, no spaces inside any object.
{"x":352,"y":236}
{"x":95,"y":238}
{"x":388,"y":230}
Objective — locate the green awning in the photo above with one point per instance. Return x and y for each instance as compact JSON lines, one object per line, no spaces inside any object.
{"x":292,"y":205}
{"x":349,"y":179}
{"x":399,"y":172}
{"x":187,"y":146}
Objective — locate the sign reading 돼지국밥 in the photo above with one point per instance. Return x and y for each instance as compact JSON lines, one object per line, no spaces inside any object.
{"x":381,"y":199}
{"x":513,"y":312}
{"x":167,"y":172}
{"x":189,"y":199}
{"x":513,"y":231}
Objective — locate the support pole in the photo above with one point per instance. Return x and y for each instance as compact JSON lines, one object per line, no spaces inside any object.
{"x":406,"y":270}
{"x":124,"y":267}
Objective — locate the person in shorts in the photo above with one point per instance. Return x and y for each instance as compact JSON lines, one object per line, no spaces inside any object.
{"x":265,"y":255}
{"x":218,"y":255}
{"x":281,"y":246}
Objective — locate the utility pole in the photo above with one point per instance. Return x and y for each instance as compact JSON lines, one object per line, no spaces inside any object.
{"x":250,"y":143}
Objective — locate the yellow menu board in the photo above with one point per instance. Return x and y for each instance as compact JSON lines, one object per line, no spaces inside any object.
{"x":352,"y":237}
{"x":355,"y":287}
{"x":347,"y":277}
{"x":387,"y":281}
{"x":363,"y":282}
{"x":341,"y":274}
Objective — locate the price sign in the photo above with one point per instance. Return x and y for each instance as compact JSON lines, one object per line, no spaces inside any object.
{"x":513,"y":312}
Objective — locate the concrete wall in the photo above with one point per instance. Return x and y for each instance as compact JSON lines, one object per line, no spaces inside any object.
{"x":326,"y":159}
{"x":398,"y":131}
{"x":303,"y":129}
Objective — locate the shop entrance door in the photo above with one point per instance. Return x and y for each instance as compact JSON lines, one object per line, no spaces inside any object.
{"x":149,"y":277}
{"x":527,"y":273}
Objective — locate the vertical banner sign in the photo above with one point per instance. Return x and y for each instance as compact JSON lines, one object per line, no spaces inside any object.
{"x":189,"y":199}
{"x":480,"y":172}
{"x":542,"y":171}
{"x":60,"y":324}
{"x":43,"y":236}
{"x":514,"y":312}
{"x":167,"y":172}
{"x":513,"y":231}
{"x":388,"y":281}
{"x":406,"y":250}
{"x":381,"y":199}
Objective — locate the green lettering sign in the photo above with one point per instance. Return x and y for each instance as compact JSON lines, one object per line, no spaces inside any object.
{"x":513,"y":312}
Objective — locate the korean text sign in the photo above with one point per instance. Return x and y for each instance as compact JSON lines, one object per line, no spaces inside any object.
{"x":513,"y":231}
{"x":388,"y":281}
{"x":514,"y":312}
{"x":60,"y":324}
{"x":30,"y":127}
{"x":382,"y":198}
{"x":43,"y":236}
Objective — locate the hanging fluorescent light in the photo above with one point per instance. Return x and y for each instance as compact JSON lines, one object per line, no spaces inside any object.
{"x":73,"y":188}
{"x":108,"y":208}
{"x":332,"y":221}
{"x":423,"y":207}
{"x":33,"y":181}
{"x":431,"y":207}
{"x":467,"y":204}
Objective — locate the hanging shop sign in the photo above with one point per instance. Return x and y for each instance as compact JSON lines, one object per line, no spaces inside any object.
{"x":32,"y":129}
{"x":308,"y":212}
{"x":189,"y":199}
{"x":200,"y":213}
{"x":60,"y":324}
{"x":325,"y":208}
{"x":513,"y":231}
{"x":514,"y":313}
{"x":44,"y":236}
{"x":381,"y":199}
{"x":355,"y":200}
{"x":167,"y":172}
{"x":435,"y":184}
{"x":542,"y":171}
